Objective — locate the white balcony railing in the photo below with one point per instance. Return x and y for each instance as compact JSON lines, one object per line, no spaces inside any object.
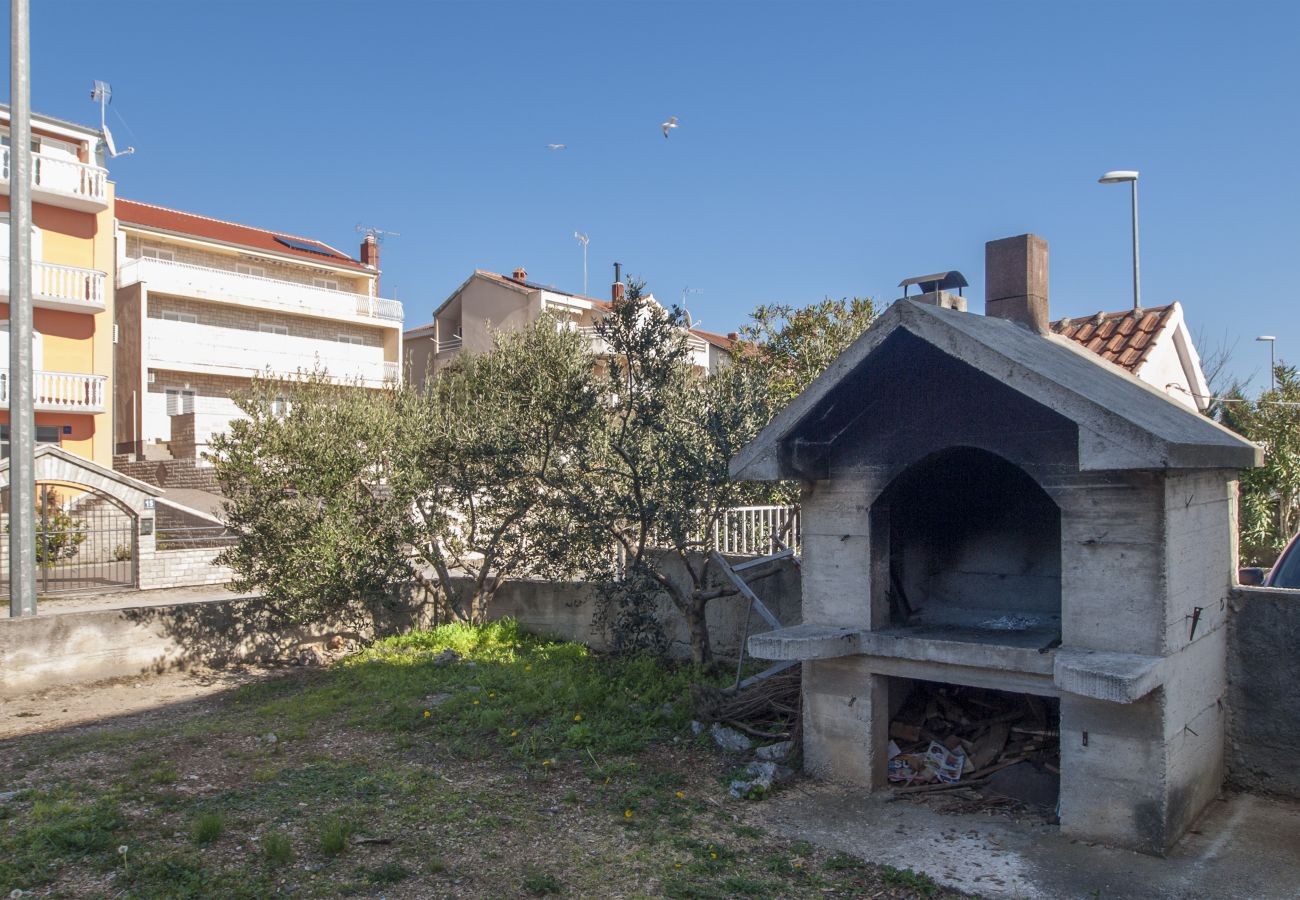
{"x":209,"y":283}
{"x":449,"y":345}
{"x":61,"y":391}
{"x":61,"y":287}
{"x":189,"y":347}
{"x":63,"y":182}
{"x":697,"y":347}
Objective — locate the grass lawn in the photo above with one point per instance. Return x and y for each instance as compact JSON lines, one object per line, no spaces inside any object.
{"x":530,"y":768}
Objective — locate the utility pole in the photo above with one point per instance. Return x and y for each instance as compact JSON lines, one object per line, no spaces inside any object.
{"x":22,"y":422}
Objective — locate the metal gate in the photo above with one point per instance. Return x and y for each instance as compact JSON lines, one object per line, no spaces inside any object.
{"x":84,"y":541}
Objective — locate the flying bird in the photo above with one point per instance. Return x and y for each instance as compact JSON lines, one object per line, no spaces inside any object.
{"x":556,"y":147}
{"x":671,"y":123}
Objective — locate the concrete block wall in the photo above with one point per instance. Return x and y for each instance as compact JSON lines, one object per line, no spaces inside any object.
{"x":179,"y":473}
{"x":1263,"y":700}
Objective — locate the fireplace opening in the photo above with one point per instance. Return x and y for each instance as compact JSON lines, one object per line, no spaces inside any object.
{"x":974,"y":552}
{"x":974,"y":749}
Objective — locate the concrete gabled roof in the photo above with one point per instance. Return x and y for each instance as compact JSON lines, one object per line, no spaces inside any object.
{"x":1123,"y":423}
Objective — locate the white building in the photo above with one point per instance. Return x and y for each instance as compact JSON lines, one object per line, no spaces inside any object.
{"x":204,"y":305}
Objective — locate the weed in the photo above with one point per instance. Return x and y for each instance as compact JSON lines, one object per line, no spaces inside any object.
{"x":435,"y":866}
{"x":208,"y":827}
{"x":334,"y":836}
{"x":277,"y":849}
{"x":746,"y":831}
{"x":387,"y":873}
{"x":841,"y":861}
{"x":542,"y":883}
{"x":919,"y":882}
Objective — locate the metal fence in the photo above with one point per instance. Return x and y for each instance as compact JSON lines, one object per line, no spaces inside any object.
{"x":756,"y":530}
{"x":83,"y":542}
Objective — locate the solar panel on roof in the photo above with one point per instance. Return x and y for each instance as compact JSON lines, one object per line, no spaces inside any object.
{"x":303,"y":245}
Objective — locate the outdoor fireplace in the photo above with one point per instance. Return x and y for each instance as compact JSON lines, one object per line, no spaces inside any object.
{"x":988,"y":506}
{"x":974,"y":551}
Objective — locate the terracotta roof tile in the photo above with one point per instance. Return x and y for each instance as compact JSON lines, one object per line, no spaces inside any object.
{"x":1118,"y":337}
{"x":147,"y":215}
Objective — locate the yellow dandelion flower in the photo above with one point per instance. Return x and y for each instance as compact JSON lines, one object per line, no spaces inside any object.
{"x":427,"y":714}
{"x":677,"y":866}
{"x":578,"y":717}
{"x":476,"y":703}
{"x":528,"y":668}
{"x":514,"y":734}
{"x":681,"y":795}
{"x":627,"y":813}
{"x":490,"y":696}
{"x":713,"y":856}
{"x":798,"y":865}
{"x":546,"y":762}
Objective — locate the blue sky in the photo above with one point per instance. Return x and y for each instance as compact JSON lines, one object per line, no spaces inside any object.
{"x":825,"y":149}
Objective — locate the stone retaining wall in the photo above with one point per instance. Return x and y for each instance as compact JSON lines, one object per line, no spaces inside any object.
{"x":182,"y":568}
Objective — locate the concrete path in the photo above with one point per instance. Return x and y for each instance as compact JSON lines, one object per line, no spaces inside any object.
{"x":1244,"y":846}
{"x":126,"y":599}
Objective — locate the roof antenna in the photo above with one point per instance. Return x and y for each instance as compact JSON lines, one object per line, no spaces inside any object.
{"x":583,"y":239}
{"x":103,"y":92}
{"x":377,"y":233}
{"x":685,"y":292}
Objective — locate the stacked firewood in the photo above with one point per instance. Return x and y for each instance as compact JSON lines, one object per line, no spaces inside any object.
{"x":949,"y":736}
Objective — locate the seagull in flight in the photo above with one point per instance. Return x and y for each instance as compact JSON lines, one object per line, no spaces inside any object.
{"x":556,"y":147}
{"x":670,"y":124}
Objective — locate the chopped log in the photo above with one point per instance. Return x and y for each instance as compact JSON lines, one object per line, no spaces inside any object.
{"x":991,"y":745}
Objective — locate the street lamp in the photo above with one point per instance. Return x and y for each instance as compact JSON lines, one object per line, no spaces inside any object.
{"x":1272,"y":365}
{"x":1131,"y":177}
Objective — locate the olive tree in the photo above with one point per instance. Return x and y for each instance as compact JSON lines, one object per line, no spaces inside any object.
{"x":656,"y":479}
{"x":303,"y":474}
{"x":487,"y":459}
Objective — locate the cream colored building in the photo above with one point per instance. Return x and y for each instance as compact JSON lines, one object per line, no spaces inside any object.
{"x":487,"y":302}
{"x":205,"y":305}
{"x":72,"y":290}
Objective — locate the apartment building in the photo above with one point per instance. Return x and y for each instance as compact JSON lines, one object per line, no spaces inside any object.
{"x":487,"y":302}
{"x":72,"y":291}
{"x":204,"y":305}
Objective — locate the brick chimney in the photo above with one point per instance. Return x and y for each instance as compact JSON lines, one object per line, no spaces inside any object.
{"x":519,"y":274}
{"x":617,"y":289}
{"x":1015,"y":281}
{"x":370,"y":257}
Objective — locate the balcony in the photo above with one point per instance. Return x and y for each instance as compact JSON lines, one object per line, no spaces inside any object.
{"x":207,"y":283}
{"x":61,"y":392}
{"x":61,"y":287}
{"x":213,"y":350}
{"x":62,"y":182}
{"x":697,"y":348}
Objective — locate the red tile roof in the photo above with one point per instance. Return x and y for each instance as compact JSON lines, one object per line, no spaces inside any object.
{"x":532,"y":286}
{"x":1121,"y":338}
{"x":716,"y":340}
{"x":147,"y":215}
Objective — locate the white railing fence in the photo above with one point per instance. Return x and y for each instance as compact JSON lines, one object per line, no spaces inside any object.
{"x":65,"y":176}
{"x":744,"y":531}
{"x":68,"y":391}
{"x":205,"y":281}
{"x":67,"y":283}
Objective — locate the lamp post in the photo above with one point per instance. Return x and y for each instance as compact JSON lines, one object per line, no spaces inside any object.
{"x":1272,"y":363}
{"x":1118,"y":177}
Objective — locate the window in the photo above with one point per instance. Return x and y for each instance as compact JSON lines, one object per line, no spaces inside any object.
{"x":330,"y":284}
{"x":171,"y":315}
{"x":155,"y":253}
{"x":45,"y":434}
{"x":268,"y":328}
{"x":245,"y":269}
{"x":351,"y":339}
{"x":179,"y":401}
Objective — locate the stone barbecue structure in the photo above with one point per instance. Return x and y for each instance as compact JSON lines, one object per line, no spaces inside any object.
{"x":988,"y":504}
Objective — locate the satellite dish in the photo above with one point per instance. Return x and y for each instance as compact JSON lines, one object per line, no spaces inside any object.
{"x":113,"y":152}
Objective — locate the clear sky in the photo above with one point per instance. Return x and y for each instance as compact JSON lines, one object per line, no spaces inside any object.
{"x":825,"y":149}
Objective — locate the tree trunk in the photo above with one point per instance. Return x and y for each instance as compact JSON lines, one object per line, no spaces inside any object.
{"x":701,"y":651}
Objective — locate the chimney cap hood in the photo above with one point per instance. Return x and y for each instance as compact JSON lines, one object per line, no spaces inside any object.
{"x":939,"y":281}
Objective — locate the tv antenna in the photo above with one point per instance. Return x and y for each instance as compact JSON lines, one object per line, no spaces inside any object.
{"x":583,"y":239}
{"x":377,"y":233}
{"x":686,"y":292}
{"x":103,"y":92}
